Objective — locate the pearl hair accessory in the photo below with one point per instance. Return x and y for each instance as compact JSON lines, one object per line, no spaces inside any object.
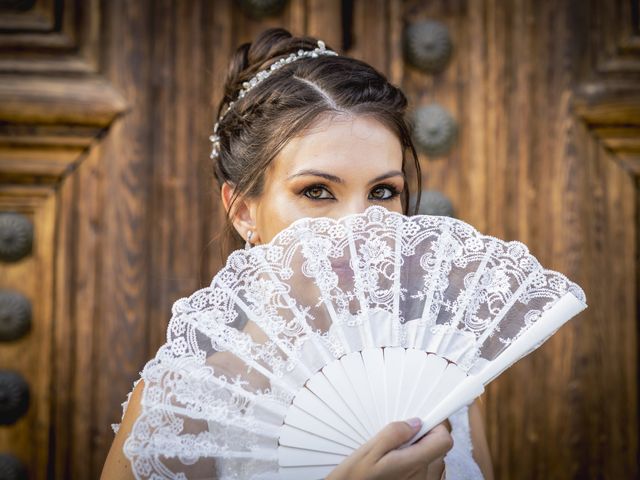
{"x":257,"y":78}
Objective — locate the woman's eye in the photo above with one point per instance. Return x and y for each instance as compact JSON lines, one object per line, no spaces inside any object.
{"x":315,"y":192}
{"x":386,"y":192}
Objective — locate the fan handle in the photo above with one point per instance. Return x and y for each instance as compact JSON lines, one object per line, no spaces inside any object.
{"x":560,"y":313}
{"x":462,"y":395}
{"x":473,"y":386}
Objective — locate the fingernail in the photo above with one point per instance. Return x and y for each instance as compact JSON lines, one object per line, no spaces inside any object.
{"x":414,"y":423}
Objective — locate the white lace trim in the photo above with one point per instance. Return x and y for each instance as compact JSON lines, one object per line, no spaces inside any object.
{"x":459,"y":461}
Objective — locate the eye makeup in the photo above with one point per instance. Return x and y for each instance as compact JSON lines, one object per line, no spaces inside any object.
{"x":394,"y":192}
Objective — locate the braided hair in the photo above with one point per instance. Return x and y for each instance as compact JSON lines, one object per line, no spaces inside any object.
{"x":282,"y":106}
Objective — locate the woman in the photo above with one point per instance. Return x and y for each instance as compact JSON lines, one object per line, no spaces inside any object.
{"x":320,"y":135}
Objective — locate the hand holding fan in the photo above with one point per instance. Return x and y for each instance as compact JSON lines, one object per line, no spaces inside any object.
{"x":302,"y":349}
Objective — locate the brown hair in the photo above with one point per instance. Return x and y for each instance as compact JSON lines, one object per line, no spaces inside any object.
{"x":281,"y":106}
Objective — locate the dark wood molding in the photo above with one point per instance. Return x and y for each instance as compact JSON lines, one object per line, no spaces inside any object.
{"x":58,"y":100}
{"x":53,"y":36}
{"x":605,"y":103}
{"x":608,"y":98}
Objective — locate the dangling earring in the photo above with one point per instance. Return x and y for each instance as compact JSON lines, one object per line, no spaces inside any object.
{"x":247,"y":244}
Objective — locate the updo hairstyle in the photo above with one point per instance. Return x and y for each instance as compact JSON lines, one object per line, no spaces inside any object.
{"x":281,"y":106}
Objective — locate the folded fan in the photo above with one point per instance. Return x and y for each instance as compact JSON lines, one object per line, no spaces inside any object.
{"x":302,"y":349}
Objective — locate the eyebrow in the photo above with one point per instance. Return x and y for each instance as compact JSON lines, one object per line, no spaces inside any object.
{"x":333,"y":178}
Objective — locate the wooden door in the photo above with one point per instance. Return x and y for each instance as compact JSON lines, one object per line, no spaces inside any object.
{"x":105,"y":113}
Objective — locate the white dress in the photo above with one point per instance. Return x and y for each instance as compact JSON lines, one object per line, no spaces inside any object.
{"x":459,"y":462}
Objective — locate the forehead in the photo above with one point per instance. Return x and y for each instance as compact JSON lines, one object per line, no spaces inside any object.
{"x":346,"y":146}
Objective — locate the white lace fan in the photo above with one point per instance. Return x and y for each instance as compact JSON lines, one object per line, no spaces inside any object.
{"x":302,"y":349}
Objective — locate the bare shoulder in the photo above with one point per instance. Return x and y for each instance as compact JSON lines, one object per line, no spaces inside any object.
{"x":481,"y":453}
{"x":117,"y":466}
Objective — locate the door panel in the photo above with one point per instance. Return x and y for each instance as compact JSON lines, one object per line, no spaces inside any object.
{"x":105,"y":113}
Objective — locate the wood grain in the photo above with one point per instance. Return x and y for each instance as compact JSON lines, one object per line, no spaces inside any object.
{"x":104,"y":119}
{"x":121,"y":331}
{"x":30,"y":355}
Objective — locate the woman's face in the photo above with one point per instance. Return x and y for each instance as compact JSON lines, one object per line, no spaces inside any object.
{"x":340,"y":166}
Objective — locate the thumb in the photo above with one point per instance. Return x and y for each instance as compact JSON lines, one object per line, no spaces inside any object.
{"x":394,"y":435}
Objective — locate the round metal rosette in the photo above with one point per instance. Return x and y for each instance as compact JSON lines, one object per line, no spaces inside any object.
{"x":11,"y":468}
{"x":434,"y":130}
{"x":15,"y":315}
{"x":433,"y":202}
{"x":262,"y":8}
{"x":14,"y":397}
{"x":427,"y":45}
{"x":16,"y":236}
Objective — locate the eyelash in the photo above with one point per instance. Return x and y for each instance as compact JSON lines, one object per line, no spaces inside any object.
{"x":394,"y":192}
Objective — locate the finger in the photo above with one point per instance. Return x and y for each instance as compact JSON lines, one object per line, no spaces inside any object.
{"x":447,"y":424}
{"x":434,"y":444}
{"x":392,"y":436}
{"x":421,"y":474}
{"x":435,"y":469}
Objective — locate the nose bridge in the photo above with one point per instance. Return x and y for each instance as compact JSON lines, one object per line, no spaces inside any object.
{"x":354,"y":204}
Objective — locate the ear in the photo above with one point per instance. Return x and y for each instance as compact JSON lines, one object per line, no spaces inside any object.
{"x":243,"y":214}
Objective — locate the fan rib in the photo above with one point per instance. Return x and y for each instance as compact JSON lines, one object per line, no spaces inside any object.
{"x":393,"y":359}
{"x":325,"y":299}
{"x":263,"y":429}
{"x":309,"y":471}
{"x":284,"y":348}
{"x":300,"y":457}
{"x":514,"y":298}
{"x":294,"y":437}
{"x":471,"y":291}
{"x":462,"y":394}
{"x":271,"y":406}
{"x":374,"y":366}
{"x":354,"y":369}
{"x":290,"y":303}
{"x":337,"y":377}
{"x":364,"y":307}
{"x":257,"y":321}
{"x":303,"y":420}
{"x":440,"y":378}
{"x":415,"y":364}
{"x":312,"y":405}
{"x":320,"y":385}
{"x":561,"y":312}
{"x":431,"y":371}
{"x":253,"y":364}
{"x":443,"y":241}
{"x":396,"y":286}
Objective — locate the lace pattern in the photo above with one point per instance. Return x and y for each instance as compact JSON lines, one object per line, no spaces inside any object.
{"x":238,"y":350}
{"x":459,"y":462}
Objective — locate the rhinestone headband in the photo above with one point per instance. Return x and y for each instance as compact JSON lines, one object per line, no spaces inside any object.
{"x":257,"y":78}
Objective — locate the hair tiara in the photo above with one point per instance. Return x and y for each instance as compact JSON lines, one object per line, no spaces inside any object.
{"x":260,"y":76}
